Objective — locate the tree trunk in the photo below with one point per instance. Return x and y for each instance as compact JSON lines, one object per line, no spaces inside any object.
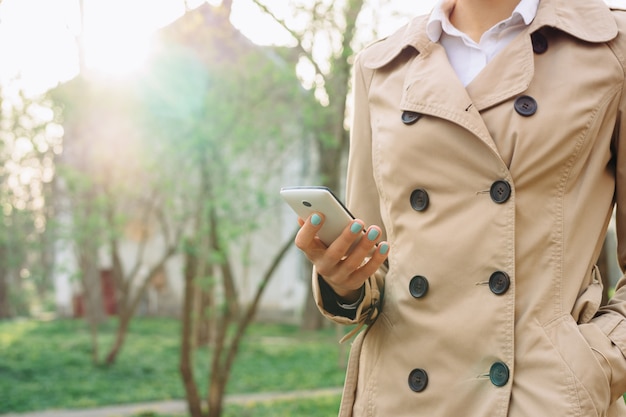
{"x":92,"y":296}
{"x":128,"y":300}
{"x":312,"y":319}
{"x":219,"y":370}
{"x":225,"y":353}
{"x":124,"y":318}
{"x":194,"y":404}
{"x":92,"y":289}
{"x":128,"y":309}
{"x":217,"y":388}
{"x":204,"y":328}
{"x":95,"y":346}
{"x":5,"y":311}
{"x":228,"y":280}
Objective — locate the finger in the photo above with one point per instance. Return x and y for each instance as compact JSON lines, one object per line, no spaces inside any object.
{"x":369,"y":267}
{"x":350,"y":234}
{"x":308,"y":230}
{"x":364,"y":247}
{"x":361,"y":251}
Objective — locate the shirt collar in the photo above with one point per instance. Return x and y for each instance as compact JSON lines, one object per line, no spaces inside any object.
{"x":439,"y":22}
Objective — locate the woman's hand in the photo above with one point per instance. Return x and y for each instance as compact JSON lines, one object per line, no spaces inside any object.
{"x":343,"y":266}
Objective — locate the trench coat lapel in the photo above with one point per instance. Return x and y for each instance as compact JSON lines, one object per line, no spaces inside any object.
{"x":506,"y":76}
{"x":431,"y":87}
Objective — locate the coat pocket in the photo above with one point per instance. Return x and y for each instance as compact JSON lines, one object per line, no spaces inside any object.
{"x":583,"y":372}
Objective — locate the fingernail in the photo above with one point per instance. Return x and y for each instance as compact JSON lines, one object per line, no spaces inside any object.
{"x":316,"y":219}
{"x":383,"y":249}
{"x":356,"y":227}
{"x":372,"y":234}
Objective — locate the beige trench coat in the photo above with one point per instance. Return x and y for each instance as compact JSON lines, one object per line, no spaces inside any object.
{"x":495,"y":199}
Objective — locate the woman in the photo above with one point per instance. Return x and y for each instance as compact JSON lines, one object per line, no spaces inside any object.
{"x":487,"y":155}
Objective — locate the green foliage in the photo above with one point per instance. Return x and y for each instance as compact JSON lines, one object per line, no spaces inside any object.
{"x":224,"y":122}
{"x":47,"y":364}
{"x":29,"y":143}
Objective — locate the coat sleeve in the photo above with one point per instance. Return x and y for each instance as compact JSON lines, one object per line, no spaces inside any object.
{"x":606,"y":333}
{"x":363,"y":201}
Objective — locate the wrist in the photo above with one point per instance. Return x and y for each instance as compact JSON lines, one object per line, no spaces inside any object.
{"x":351,"y":299}
{"x":347,"y":296}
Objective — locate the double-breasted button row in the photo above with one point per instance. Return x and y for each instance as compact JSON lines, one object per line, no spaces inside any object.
{"x":499,"y":376}
{"x":499,"y":284}
{"x":500,"y":192}
{"x":524,"y":106}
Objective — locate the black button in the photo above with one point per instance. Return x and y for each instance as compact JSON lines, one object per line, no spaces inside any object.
{"x":500,"y":191}
{"x":499,"y":282}
{"x":418,"y":379}
{"x":419,"y":199}
{"x":525,"y":106}
{"x":540,"y":43}
{"x":410,"y":117}
{"x":418,"y":287}
{"x":499,"y":374}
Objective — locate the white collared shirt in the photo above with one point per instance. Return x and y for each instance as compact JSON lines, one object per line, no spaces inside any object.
{"x":466,"y":56}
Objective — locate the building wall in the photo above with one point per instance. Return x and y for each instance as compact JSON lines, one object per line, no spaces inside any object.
{"x":283,"y":298}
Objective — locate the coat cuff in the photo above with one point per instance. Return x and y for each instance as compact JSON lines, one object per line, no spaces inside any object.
{"x":331,"y":303}
{"x":365,"y":312}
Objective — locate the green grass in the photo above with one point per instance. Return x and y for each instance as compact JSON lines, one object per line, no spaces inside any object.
{"x":318,"y":407}
{"x":47,"y":365}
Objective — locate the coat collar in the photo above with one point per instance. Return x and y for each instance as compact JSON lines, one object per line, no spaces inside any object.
{"x":587,"y":20}
{"x":569,"y":16}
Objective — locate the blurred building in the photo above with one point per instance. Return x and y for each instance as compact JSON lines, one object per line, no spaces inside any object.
{"x":102,"y":124}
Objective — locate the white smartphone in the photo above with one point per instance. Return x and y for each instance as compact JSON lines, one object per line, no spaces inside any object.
{"x":308,"y":199}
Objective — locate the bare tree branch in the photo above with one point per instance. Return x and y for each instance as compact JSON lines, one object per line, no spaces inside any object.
{"x":298,"y":37}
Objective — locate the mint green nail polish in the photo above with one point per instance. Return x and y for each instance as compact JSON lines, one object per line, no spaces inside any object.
{"x":356,"y":227}
{"x":384,"y":248}
{"x":372,"y":234}
{"x":316,"y":219}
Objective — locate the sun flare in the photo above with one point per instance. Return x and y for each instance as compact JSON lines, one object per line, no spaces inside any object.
{"x":119,"y":55}
{"x":118,"y":35}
